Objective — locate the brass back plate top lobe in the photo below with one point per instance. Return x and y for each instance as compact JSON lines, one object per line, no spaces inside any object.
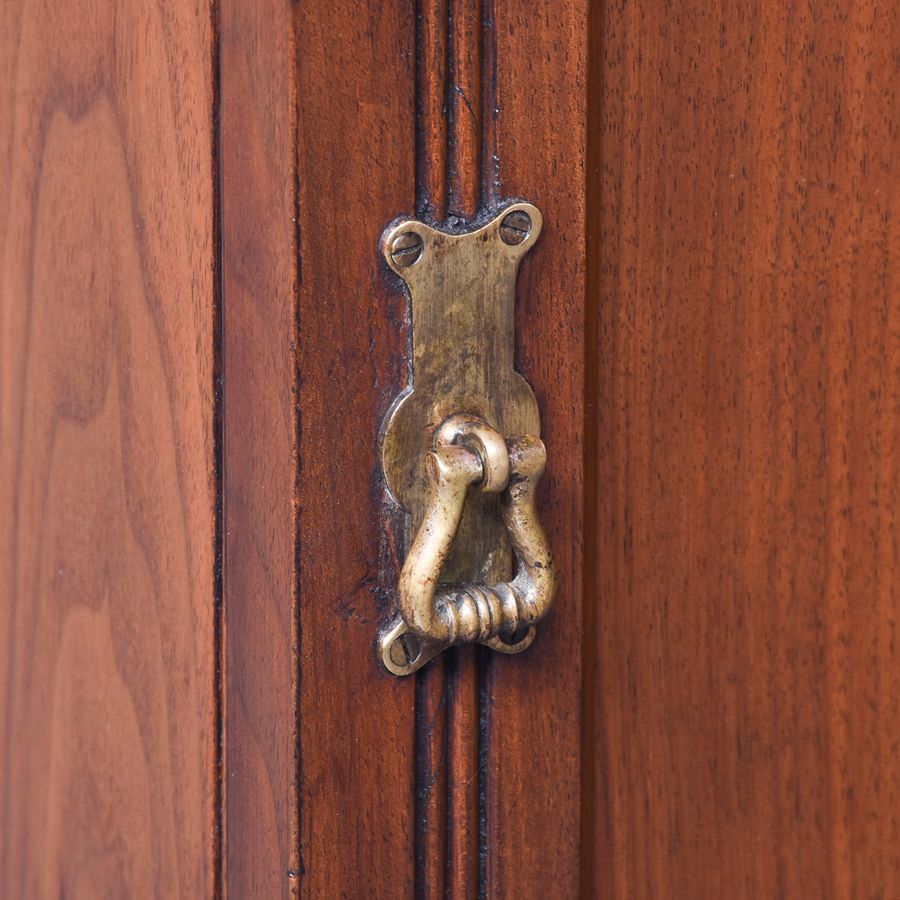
{"x":462,"y":290}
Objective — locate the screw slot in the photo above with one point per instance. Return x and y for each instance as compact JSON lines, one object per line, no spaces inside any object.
{"x":406,"y":249}
{"x":515,"y":227}
{"x":405,"y":651}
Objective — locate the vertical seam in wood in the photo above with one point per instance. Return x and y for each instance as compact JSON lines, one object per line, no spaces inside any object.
{"x":464,"y":155}
{"x":297,"y":870}
{"x":432,"y":184}
{"x":422,"y":201}
{"x":218,"y":355}
{"x":451,"y":669}
{"x":450,"y":107}
{"x":424,"y":207}
{"x":489,"y":178}
{"x":484,"y":730}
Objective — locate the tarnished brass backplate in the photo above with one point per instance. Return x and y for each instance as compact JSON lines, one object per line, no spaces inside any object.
{"x":462,"y":288}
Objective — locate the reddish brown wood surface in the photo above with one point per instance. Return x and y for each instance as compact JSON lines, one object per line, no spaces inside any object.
{"x":748,"y":416}
{"x":257,"y":146}
{"x":107,"y":477}
{"x":533,"y":701}
{"x":356,"y":172}
{"x":714,"y":713}
{"x":463,"y":104}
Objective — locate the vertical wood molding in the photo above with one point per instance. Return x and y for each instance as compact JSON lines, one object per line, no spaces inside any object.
{"x":514,"y":95}
{"x":258,"y":185}
{"x":464,"y":108}
{"x":464,"y":200}
{"x":356,"y":139}
{"x":433,"y":751}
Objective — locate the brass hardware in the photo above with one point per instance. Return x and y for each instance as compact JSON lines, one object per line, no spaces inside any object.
{"x":406,"y":249}
{"x":502,"y":616}
{"x":515,"y":227}
{"x":468,"y":419}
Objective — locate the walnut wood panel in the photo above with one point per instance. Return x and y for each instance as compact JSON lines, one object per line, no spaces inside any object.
{"x":532,"y":702}
{"x":107,"y":475}
{"x":356,"y":172}
{"x":259,"y":270}
{"x":748,"y":416}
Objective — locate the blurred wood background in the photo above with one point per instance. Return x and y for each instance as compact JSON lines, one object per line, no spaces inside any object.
{"x":108,"y":685}
{"x":747,"y":289}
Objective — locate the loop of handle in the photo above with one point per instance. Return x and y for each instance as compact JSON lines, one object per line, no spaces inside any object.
{"x":468,"y":452}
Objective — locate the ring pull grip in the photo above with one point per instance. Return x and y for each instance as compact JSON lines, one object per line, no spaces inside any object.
{"x":468,"y":453}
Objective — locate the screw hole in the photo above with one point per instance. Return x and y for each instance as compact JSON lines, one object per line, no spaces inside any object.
{"x":516,"y":637}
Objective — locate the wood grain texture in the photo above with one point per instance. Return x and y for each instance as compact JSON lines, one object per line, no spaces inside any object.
{"x":258,"y":194}
{"x":432,"y":65}
{"x":107,"y":484}
{"x":464,"y":107}
{"x":356,"y":173}
{"x":431,"y":782}
{"x":748,"y":360}
{"x":533,"y":701}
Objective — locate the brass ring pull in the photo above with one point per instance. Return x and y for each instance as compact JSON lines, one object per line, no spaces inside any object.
{"x":468,"y":452}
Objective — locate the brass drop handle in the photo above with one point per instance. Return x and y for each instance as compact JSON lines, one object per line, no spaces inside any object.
{"x":468,"y":452}
{"x":468,"y":485}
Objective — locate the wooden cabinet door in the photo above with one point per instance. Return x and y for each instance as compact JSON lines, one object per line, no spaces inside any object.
{"x":200,"y":340}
